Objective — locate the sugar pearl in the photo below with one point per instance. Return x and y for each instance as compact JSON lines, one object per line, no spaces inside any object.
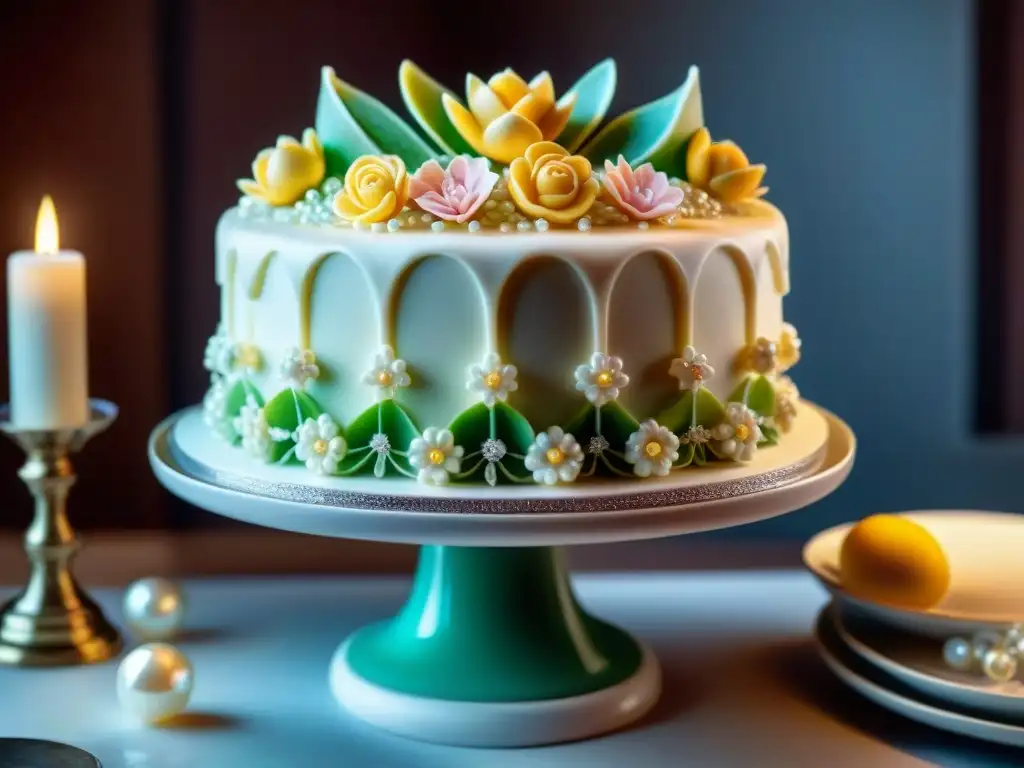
{"x":505,"y":227}
{"x":489,"y":205}
{"x":541,"y":225}
{"x":393,"y":225}
{"x":437,"y":226}
{"x":508,"y":207}
{"x":583,"y":224}
{"x":643,"y":225}
{"x":474,"y":226}
{"x":524,"y":226}
{"x":426,"y":218}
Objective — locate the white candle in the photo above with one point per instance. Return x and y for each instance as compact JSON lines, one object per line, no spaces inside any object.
{"x":46,"y":326}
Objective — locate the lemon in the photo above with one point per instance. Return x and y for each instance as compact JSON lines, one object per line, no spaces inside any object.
{"x":893,"y":560}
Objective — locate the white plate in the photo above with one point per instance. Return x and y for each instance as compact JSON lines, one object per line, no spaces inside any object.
{"x":204,"y":474}
{"x":917,"y":662}
{"x":986,"y":566}
{"x":889,"y":693}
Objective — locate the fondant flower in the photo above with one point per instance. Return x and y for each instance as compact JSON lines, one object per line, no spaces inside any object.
{"x":554,"y":457}
{"x":282,"y":174}
{"x":721,"y":169}
{"x":602,"y":379}
{"x":788,"y":348}
{"x":691,"y":369}
{"x":761,"y":356}
{"x":697,"y":435}
{"x":492,"y":380}
{"x":641,"y":194}
{"x":375,"y":189}
{"x":387,"y":374}
{"x":251,"y":424}
{"x":786,"y":398}
{"x":435,"y":455}
{"x":550,"y":184}
{"x":739,"y":434}
{"x":454,"y":193}
{"x":215,"y":414}
{"x":299,"y":366}
{"x":506,"y":115}
{"x":320,"y":445}
{"x":219,"y":355}
{"x":652,"y":449}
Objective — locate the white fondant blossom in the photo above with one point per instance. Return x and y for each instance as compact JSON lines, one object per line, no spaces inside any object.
{"x":251,"y":424}
{"x":554,"y":457}
{"x":739,"y":434}
{"x":215,"y":414}
{"x":492,"y":380}
{"x":299,"y":366}
{"x":387,"y":374}
{"x":320,"y":445}
{"x":691,"y":369}
{"x":219,"y":355}
{"x":788,"y":347}
{"x":786,"y":398}
{"x":435,"y":455}
{"x":652,"y":449}
{"x":602,"y":379}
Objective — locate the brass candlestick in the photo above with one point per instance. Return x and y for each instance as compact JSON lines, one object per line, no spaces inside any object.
{"x":53,"y":621}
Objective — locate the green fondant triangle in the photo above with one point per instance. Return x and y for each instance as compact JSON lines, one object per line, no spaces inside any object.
{"x":680,"y":417}
{"x":287,"y":410}
{"x":594,"y":92}
{"x":389,"y":418}
{"x":758,"y":393}
{"x":474,"y":425}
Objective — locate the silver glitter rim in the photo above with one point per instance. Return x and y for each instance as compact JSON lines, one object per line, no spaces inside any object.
{"x":382,"y":502}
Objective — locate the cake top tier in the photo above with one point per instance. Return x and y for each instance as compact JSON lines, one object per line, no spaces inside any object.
{"x":514,"y":157}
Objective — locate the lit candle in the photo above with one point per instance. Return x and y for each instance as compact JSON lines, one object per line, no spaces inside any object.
{"x":46,"y":326}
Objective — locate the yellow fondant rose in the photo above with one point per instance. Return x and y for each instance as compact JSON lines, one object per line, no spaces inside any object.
{"x":506,"y":115}
{"x":549,"y":183}
{"x":376,"y":189}
{"x":721,"y":169}
{"x":282,"y":174}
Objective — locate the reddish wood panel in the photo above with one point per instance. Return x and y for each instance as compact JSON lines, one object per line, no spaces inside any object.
{"x":80,"y":122}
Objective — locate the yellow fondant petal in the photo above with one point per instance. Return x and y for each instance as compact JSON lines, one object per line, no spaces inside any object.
{"x":540,"y":162}
{"x":584,"y":200}
{"x":519,"y":180}
{"x":346,"y":208}
{"x":556,"y":118}
{"x":509,"y":87}
{"x":385,"y":210}
{"x":543,"y":88}
{"x":738,"y":185}
{"x":464,"y":122}
{"x":312,"y":142}
{"x":532,"y":108}
{"x":259,"y":166}
{"x":579,"y":164}
{"x":508,"y":137}
{"x":250,"y":188}
{"x":697,"y":168}
{"x":483,"y":102}
{"x":725,"y":156}
{"x":541,"y":148}
{"x":287,"y":141}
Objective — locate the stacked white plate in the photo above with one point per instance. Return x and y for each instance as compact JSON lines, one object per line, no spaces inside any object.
{"x":894,"y":657}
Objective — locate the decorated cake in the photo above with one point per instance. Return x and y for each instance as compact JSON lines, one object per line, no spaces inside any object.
{"x":506,"y":288}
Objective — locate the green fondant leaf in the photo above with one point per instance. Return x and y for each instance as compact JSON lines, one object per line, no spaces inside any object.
{"x":679,"y":417}
{"x":700,"y":455}
{"x":655,"y":132}
{"x":685,"y":455}
{"x":351,"y":123}
{"x":616,"y":427}
{"x":388,"y":417}
{"x":758,"y":393}
{"x":594,"y":92}
{"x":422,"y":96}
{"x":771,"y":436}
{"x":287,"y":410}
{"x":473,"y":426}
{"x":237,"y":395}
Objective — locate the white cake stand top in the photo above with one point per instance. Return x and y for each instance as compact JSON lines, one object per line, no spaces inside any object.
{"x":810,"y":463}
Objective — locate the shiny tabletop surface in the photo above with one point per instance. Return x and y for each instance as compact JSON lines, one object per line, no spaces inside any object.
{"x":743,"y":685}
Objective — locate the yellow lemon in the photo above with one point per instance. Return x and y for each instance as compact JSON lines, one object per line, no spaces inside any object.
{"x":890,"y":559}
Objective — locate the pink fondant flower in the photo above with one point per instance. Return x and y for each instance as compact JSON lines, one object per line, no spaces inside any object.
{"x":455,"y":193}
{"x":640,"y":194}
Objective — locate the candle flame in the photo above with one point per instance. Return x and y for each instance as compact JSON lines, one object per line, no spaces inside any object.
{"x":47,"y":233}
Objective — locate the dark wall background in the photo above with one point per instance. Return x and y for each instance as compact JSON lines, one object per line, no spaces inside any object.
{"x":139,"y":114}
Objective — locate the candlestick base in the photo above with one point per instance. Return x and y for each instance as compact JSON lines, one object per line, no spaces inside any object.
{"x":52,"y":621}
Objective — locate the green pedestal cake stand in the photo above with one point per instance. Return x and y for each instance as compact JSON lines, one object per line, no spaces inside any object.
{"x":492,"y":648}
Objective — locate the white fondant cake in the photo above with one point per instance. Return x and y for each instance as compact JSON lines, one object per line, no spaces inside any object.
{"x":539,"y":322}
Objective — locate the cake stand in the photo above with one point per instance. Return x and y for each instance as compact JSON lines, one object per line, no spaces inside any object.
{"x":492,"y":648}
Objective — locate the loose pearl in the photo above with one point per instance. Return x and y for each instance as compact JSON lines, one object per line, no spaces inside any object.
{"x":999,"y":666}
{"x":154,"y":608}
{"x":154,"y":682}
{"x":983,"y":642}
{"x":957,"y":654}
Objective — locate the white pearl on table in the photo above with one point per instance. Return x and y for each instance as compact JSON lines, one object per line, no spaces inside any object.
{"x":154,"y":682}
{"x":958,"y":654}
{"x":983,"y":642}
{"x":154,"y":608}
{"x":999,"y":666}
